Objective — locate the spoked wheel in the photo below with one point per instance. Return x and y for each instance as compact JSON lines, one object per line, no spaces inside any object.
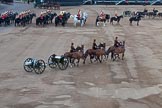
{"x":63,"y":64}
{"x":51,"y":62}
{"x":39,"y":67}
{"x":28,"y":65}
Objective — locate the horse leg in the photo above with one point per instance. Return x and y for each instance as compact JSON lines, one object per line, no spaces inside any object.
{"x":118,"y":56}
{"x":122,"y":56}
{"x":78,"y":62}
{"x":107,"y":55}
{"x":100,"y":60}
{"x":112,"y":55}
{"x":104,"y":24}
{"x":84,"y":60}
{"x":74,"y":23}
{"x":91,"y":59}
{"x":137,"y":23}
{"x":130,"y":22}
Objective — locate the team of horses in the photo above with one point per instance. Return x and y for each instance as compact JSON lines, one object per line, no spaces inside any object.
{"x":99,"y":54}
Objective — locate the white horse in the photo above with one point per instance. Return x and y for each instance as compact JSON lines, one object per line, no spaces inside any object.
{"x":82,"y":20}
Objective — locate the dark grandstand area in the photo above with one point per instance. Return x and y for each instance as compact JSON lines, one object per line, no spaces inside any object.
{"x":102,"y":2}
{"x":6,"y":1}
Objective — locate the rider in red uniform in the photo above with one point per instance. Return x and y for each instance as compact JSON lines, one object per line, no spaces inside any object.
{"x":61,"y":15}
{"x":102,"y":15}
{"x":79,"y":14}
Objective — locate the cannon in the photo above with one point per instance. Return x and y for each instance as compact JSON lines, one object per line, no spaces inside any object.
{"x":55,"y":61}
{"x":31,"y":64}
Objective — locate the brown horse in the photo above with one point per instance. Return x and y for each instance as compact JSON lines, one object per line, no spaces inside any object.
{"x":96,"y":53}
{"x":115,"y":51}
{"x":78,"y":54}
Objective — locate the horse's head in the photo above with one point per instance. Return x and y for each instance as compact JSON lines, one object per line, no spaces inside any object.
{"x":80,"y":48}
{"x":102,"y":45}
{"x":33,"y":14}
{"x":85,"y":15}
{"x":68,"y":15}
{"x":107,"y":16}
{"x":71,"y":16}
{"x":121,"y":16}
{"x":54,"y":14}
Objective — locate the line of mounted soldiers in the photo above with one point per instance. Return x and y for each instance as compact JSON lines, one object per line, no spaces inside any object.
{"x":7,"y":17}
{"x":97,"y":52}
{"x":152,"y":13}
{"x":46,"y":17}
{"x":25,"y":17}
{"x":22,"y":18}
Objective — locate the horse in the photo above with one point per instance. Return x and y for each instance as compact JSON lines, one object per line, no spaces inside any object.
{"x":82,"y":20}
{"x":135,"y":18}
{"x":159,"y":14}
{"x":152,"y":14}
{"x":116,"y":19}
{"x":63,"y":20}
{"x":76,"y":55}
{"x":102,"y":20}
{"x":115,"y":51}
{"x":96,"y":53}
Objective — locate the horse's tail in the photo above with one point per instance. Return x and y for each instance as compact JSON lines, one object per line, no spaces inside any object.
{"x":97,"y":20}
{"x":108,"y":52}
{"x":111,"y":20}
{"x":86,"y":54}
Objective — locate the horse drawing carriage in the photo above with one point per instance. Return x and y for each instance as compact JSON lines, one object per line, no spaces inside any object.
{"x":58,"y":61}
{"x":31,"y":64}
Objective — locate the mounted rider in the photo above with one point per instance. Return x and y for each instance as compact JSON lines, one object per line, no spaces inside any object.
{"x":79,"y":15}
{"x":4,"y":15}
{"x":116,"y":42}
{"x":153,"y":10}
{"x":116,"y":14}
{"x":72,"y":48}
{"x":102,"y":15}
{"x":42,"y":14}
{"x":61,"y":15}
{"x":94,"y":46}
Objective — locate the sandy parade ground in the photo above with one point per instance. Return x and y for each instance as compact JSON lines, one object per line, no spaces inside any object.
{"x":135,"y":82}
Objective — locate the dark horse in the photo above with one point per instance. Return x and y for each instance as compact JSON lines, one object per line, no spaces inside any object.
{"x":103,"y":20}
{"x":115,"y":51}
{"x":116,"y":19}
{"x":76,"y":55}
{"x":96,"y":53}
{"x":135,"y":18}
{"x":152,"y":14}
{"x":62,"y":20}
{"x":46,"y":19}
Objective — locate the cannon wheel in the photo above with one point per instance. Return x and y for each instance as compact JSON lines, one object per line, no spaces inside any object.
{"x":28,"y":68}
{"x":63,"y":64}
{"x":51,"y":63}
{"x":39,"y":67}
